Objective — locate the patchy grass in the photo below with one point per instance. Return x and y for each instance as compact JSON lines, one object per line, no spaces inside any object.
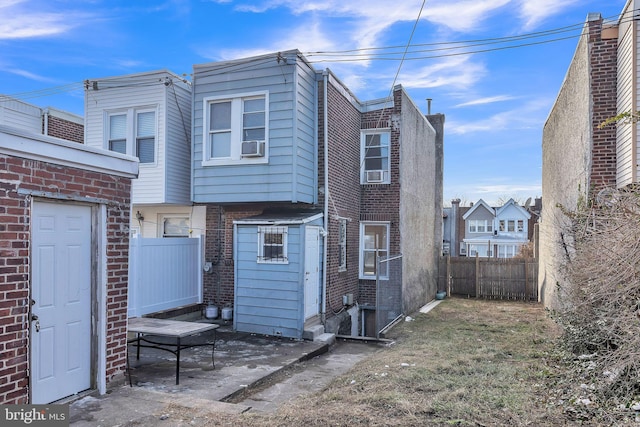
{"x":466,"y":363}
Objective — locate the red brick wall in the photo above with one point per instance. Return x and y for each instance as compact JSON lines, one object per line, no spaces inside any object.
{"x":381,"y":202}
{"x":603,"y":89}
{"x":65,"y":129}
{"x":218,"y":285}
{"x":15,"y":213}
{"x":344,"y":191}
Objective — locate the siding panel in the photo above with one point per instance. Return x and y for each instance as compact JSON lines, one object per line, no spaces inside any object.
{"x":286,"y":145}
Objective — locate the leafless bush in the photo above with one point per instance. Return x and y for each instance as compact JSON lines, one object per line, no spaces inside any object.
{"x":600,"y":301}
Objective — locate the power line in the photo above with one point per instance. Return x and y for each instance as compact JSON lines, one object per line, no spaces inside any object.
{"x":410,"y":52}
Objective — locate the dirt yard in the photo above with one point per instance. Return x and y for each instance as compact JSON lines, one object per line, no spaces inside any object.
{"x":465,"y":363}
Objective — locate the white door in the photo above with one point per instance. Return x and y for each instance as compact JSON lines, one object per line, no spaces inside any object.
{"x":311,"y":271}
{"x":61,"y":300}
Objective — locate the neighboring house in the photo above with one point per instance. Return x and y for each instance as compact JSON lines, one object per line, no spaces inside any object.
{"x":64,"y":207}
{"x":487,"y":231}
{"x":45,"y":121}
{"x":302,"y":183}
{"x":580,"y":160}
{"x":148,"y":116}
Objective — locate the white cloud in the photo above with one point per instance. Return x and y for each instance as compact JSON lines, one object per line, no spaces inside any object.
{"x":534,"y":12}
{"x":530,"y":115}
{"x":454,"y":73}
{"x":462,"y":16}
{"x":28,"y":75}
{"x":18,"y":20}
{"x":487,"y":100}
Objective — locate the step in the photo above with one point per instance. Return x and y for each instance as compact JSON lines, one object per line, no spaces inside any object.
{"x":312,"y":332}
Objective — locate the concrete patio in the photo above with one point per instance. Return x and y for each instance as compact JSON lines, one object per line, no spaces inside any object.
{"x":243,"y":363}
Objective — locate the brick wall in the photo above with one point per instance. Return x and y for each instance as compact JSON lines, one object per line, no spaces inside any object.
{"x":218,"y":285}
{"x":382,"y":202}
{"x":15,"y":213}
{"x":65,"y":129}
{"x":344,"y":191}
{"x":604,"y":81}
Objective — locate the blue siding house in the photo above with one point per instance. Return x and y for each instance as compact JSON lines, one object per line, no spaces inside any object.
{"x":298,"y":176}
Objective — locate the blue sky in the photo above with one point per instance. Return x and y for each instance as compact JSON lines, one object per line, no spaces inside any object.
{"x":493,"y":67}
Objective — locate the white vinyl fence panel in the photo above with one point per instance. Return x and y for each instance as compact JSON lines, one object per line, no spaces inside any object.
{"x":164,"y":273}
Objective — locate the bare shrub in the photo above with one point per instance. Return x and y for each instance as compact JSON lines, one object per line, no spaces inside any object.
{"x":599,"y":305}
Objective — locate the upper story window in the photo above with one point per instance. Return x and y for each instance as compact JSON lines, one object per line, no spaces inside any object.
{"x":374,"y":149}
{"x":133,"y":132}
{"x":480,"y":226}
{"x":374,"y":240}
{"x":235,"y":129}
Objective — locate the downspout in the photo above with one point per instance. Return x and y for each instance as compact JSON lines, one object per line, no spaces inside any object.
{"x":325,"y":76}
{"x":45,"y":117}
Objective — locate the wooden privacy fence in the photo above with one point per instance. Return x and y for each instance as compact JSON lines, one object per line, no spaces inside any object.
{"x":497,"y":278}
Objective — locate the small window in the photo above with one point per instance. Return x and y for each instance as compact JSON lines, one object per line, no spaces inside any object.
{"x":502,"y":226}
{"x":511,"y":226}
{"x":118,"y":133}
{"x":175,"y":227}
{"x":146,"y":136}
{"x":272,"y":245}
{"x":520,"y":226}
{"x":375,"y":157}
{"x":374,"y":240}
{"x":342,"y":245}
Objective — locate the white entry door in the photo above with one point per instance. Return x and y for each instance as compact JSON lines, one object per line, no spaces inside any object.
{"x":311,"y":271}
{"x":61,"y":300}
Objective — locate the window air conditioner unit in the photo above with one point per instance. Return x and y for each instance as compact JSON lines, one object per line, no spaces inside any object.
{"x":463,"y":250}
{"x":253,"y":149}
{"x":375,"y":176}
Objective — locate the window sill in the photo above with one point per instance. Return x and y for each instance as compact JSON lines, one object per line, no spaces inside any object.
{"x":239,"y":162}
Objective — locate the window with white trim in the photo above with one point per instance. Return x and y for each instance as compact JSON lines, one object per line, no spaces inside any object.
{"x":175,"y":226}
{"x":374,"y":240}
{"x":480,"y":226}
{"x":133,"y":132}
{"x":374,"y":156}
{"x":272,"y":245}
{"x":520,"y":225}
{"x":235,"y":129}
{"x":342,"y":244}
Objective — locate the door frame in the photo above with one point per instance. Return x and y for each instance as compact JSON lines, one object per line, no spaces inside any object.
{"x":307,"y":228}
{"x":98,"y":299}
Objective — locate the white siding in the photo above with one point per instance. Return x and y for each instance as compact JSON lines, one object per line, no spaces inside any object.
{"x":20,"y":115}
{"x":149,"y":91}
{"x":178,"y":144}
{"x":626,"y":101}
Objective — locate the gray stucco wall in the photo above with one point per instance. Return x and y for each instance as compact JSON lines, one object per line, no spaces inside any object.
{"x":566,"y":148}
{"x":421,"y":181}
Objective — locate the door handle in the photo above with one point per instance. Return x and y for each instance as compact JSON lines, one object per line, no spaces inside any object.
{"x":34,"y":318}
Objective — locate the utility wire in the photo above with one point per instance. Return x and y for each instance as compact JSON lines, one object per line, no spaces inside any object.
{"x":385,"y":53}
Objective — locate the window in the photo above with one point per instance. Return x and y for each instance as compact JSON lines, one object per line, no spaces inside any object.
{"x":118,"y":133}
{"x":342,"y":245}
{"x":235,"y":129}
{"x":374,"y":239}
{"x":520,"y":226}
{"x":174,"y":226}
{"x":374,"y":147}
{"x":133,"y":132}
{"x":146,"y":136}
{"x":480,"y":226}
{"x":272,"y":245}
{"x":507,"y":251}
{"x":511,"y":225}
